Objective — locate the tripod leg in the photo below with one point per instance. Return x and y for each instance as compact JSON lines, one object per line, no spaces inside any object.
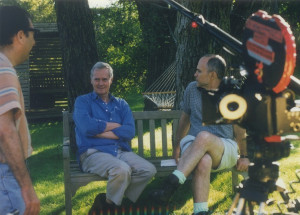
{"x":261,"y":208}
{"x":235,"y":201}
{"x":251,"y":208}
{"x":239,"y":210}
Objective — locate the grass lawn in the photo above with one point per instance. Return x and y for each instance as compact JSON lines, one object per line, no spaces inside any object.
{"x":46,"y":169}
{"x":47,"y":174}
{"x":135,"y":101}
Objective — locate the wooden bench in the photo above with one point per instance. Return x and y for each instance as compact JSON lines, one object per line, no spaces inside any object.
{"x":74,"y":178}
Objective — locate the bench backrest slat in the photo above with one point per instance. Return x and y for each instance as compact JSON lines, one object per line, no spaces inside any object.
{"x":140,"y":131}
{"x":164,"y":137}
{"x":174,"y":128}
{"x":152,"y":137}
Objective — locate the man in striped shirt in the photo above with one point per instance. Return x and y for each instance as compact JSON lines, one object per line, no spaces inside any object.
{"x":16,"y":41}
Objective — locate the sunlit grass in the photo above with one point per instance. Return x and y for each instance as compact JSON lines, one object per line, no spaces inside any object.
{"x":135,"y":101}
{"x":47,"y":174}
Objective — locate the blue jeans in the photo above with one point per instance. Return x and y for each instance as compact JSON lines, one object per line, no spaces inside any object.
{"x":10,"y":192}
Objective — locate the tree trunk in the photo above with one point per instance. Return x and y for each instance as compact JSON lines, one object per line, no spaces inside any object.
{"x":157,"y":24}
{"x":76,"y":31}
{"x":194,"y":43}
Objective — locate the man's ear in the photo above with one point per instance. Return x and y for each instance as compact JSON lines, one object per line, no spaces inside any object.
{"x":20,"y":37}
{"x":212,"y":74}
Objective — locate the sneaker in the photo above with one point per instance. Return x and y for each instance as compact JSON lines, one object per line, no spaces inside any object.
{"x":164,"y":194}
{"x":100,"y":206}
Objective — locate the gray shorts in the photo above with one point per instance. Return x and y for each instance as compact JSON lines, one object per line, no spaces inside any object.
{"x":229,"y":157}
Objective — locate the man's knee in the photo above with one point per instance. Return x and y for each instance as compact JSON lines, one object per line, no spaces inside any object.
{"x":203,"y":138}
{"x":152,"y":170}
{"x":148,"y":170}
{"x":122,"y":171}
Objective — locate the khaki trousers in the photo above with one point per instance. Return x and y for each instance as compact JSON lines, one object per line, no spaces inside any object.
{"x":127,"y":173}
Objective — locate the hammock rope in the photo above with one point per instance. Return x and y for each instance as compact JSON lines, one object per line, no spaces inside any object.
{"x":162,"y":92}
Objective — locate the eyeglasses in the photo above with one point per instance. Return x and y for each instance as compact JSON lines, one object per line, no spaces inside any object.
{"x":35,"y":31}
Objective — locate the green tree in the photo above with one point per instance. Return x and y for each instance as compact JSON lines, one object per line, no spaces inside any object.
{"x":158,"y":24}
{"x":76,"y":31}
{"x":243,"y":9}
{"x":290,"y":11}
{"x":119,"y":42}
{"x":40,"y":10}
{"x":194,"y":43}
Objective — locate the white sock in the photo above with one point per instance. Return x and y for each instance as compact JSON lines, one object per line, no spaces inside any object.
{"x":180,"y":176}
{"x":201,"y":206}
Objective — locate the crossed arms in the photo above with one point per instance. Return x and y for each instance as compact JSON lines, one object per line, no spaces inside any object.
{"x":92,"y":125}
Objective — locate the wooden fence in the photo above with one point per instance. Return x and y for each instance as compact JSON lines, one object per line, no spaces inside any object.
{"x":42,"y":77}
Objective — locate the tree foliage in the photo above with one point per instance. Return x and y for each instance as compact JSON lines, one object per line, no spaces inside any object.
{"x":290,"y":11}
{"x":138,"y":37}
{"x":157,"y":24}
{"x":119,"y":43}
{"x":40,"y":10}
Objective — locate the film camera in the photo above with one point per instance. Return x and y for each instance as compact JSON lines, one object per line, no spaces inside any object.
{"x":263,"y":102}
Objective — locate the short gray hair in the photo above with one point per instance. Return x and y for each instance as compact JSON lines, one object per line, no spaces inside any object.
{"x":216,"y":63}
{"x":102,"y":65}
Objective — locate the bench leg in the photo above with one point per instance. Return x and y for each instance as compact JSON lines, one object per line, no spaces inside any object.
{"x":68,"y":201}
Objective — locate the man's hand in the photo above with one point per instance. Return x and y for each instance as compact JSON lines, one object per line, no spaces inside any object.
{"x":32,"y":203}
{"x":242,"y":164}
{"x":176,"y":153}
{"x":182,"y":129}
{"x":108,"y":135}
{"x":111,"y":125}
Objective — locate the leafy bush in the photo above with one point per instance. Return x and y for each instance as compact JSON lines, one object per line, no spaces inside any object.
{"x":119,"y":43}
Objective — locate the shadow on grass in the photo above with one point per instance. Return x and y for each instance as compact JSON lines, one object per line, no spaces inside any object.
{"x":214,"y":206}
{"x":47,"y":165}
{"x":59,"y":209}
{"x":181,"y":196}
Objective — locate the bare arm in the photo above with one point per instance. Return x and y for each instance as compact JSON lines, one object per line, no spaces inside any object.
{"x":108,"y":135}
{"x":183,"y":127}
{"x":111,"y":125}
{"x":240,"y":137}
{"x":10,"y":147}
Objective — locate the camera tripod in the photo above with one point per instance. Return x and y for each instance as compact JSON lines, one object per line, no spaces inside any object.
{"x":263,"y":180}
{"x":255,"y":189}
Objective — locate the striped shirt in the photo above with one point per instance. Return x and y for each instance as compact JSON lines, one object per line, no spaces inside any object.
{"x":11,"y":98}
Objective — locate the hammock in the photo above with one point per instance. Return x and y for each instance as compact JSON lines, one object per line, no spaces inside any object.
{"x":162,"y":92}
